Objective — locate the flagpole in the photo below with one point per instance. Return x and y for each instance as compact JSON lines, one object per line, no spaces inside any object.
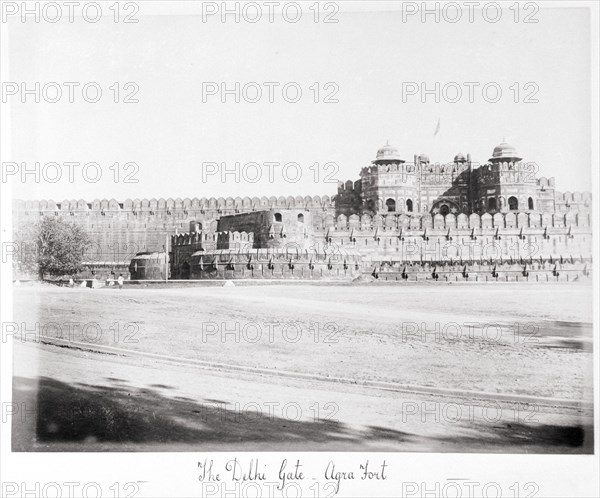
{"x":437,"y":128}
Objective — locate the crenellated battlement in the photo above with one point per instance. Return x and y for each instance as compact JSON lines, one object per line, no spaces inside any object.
{"x":374,"y":169}
{"x":419,"y":221}
{"x":170,"y":205}
{"x":349,"y":187}
{"x":507,"y":172}
{"x":573,"y":197}
{"x":548,"y":183}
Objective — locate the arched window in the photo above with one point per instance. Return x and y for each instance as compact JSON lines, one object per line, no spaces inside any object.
{"x":530,"y":203}
{"x":409,"y":205}
{"x":278,"y":217}
{"x":513,"y":203}
{"x":391,"y":205}
{"x":492,"y":204}
{"x":444,"y":209}
{"x":300,"y":218}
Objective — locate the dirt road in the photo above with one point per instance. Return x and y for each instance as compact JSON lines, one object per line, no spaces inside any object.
{"x":81,"y":401}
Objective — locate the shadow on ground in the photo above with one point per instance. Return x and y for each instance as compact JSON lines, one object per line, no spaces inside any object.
{"x":82,"y":417}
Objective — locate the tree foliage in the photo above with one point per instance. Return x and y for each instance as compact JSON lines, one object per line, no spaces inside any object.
{"x":52,"y":247}
{"x":25,"y":250}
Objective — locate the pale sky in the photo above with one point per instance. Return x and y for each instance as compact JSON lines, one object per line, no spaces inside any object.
{"x":368,"y":55}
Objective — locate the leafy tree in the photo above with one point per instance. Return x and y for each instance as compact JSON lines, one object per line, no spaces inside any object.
{"x":59,"y":246}
{"x":25,"y":252}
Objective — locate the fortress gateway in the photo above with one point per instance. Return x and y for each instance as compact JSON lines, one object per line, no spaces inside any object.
{"x":400,"y":220}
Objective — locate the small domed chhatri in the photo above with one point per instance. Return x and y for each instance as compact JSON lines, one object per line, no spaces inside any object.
{"x":460,"y":158}
{"x":388,"y":153}
{"x":423,"y":159}
{"x":505,"y":152}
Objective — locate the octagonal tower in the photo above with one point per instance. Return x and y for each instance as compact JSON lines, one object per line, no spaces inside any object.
{"x":506,"y":183}
{"x":389,"y":185}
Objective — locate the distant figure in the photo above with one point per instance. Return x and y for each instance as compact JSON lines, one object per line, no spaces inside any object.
{"x":71,"y":282}
{"x":120,"y":280}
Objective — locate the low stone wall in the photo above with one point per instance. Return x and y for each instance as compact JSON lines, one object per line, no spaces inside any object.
{"x":274,"y":264}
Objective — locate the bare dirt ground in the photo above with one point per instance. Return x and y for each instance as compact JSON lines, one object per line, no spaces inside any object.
{"x":513,"y":340}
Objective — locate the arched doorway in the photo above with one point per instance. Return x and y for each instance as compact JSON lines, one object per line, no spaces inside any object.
{"x":184,"y":273}
{"x":409,"y":205}
{"x":530,"y":203}
{"x":513,"y":203}
{"x":492,"y":204}
{"x":444,"y":207}
{"x":391,"y":205}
